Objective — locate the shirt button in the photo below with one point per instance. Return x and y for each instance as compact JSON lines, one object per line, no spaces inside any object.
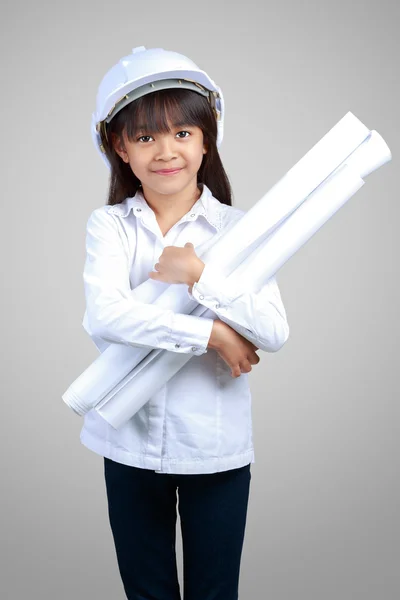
{"x":194,"y":348}
{"x":201,"y":297}
{"x":193,"y":215}
{"x":177,"y":345}
{"x":217,"y":305}
{"x":138,"y":209}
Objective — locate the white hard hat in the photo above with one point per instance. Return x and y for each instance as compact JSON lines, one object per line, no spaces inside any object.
{"x":145,"y":71}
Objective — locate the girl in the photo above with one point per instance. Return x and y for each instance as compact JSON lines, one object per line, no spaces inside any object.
{"x":158,"y":125}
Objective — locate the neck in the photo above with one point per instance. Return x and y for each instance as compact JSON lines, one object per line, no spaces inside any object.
{"x":172,"y":206}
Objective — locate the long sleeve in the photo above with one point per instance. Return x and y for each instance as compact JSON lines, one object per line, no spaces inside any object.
{"x":259,"y":317}
{"x":112,"y":312}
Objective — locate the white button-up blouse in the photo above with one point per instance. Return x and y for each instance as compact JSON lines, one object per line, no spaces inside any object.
{"x":200,"y":421}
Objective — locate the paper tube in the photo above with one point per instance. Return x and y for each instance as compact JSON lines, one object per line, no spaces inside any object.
{"x":97,"y":385}
{"x":144,"y":381}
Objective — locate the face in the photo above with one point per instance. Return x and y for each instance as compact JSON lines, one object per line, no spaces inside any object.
{"x":182,"y":148}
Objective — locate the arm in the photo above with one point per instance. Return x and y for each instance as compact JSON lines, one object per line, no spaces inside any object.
{"x":112,"y":312}
{"x":260,"y":316}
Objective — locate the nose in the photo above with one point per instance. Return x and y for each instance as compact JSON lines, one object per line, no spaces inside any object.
{"x":165,"y":148}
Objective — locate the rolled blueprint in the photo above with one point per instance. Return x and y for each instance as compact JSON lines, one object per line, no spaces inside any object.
{"x":104,"y":383}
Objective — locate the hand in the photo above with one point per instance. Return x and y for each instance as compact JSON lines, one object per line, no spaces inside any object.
{"x":178,"y":265}
{"x":237,"y":352}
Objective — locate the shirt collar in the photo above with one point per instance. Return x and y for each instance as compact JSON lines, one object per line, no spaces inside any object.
{"x":206,"y":206}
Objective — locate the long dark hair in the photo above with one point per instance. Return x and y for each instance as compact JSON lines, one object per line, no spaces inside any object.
{"x":181,"y":106}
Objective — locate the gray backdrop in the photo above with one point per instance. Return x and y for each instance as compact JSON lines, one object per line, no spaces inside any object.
{"x":323,"y":513}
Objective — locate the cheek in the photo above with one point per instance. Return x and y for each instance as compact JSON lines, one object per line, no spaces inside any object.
{"x":196,"y":156}
{"x":138,"y":162}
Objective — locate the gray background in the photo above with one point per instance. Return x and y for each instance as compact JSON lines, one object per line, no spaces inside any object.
{"x":323,"y":514}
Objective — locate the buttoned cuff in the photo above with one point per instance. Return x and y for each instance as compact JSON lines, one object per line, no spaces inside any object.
{"x":190,"y":334}
{"x":212,"y":290}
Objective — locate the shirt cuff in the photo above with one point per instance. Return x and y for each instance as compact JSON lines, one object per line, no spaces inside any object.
{"x":190,"y":333}
{"x":211,"y":289}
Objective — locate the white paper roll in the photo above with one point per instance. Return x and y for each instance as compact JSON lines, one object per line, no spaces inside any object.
{"x":104,"y":383}
{"x":142,"y":383}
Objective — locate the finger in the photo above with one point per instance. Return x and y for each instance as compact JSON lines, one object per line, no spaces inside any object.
{"x":245,"y":366}
{"x":152,"y":275}
{"x":254,"y":359}
{"x":236,"y":371}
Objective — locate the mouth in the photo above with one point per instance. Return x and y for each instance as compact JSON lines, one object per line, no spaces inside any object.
{"x":167,"y":171}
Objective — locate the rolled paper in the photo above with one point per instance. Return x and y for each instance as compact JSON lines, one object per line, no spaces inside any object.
{"x":144,"y":381}
{"x":111,"y":375}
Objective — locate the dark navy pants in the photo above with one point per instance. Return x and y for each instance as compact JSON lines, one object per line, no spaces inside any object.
{"x":142,"y":511}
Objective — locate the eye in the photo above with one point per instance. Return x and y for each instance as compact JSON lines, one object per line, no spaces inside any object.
{"x":184,"y":131}
{"x":148,"y":136}
{"x":143,"y":136}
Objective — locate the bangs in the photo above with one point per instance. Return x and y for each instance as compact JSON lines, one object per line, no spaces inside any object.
{"x":151,"y":113}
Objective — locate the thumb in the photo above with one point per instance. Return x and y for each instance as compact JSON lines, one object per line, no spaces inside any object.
{"x":189,"y":244}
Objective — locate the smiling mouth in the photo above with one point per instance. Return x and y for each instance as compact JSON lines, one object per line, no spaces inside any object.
{"x":167,"y":171}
